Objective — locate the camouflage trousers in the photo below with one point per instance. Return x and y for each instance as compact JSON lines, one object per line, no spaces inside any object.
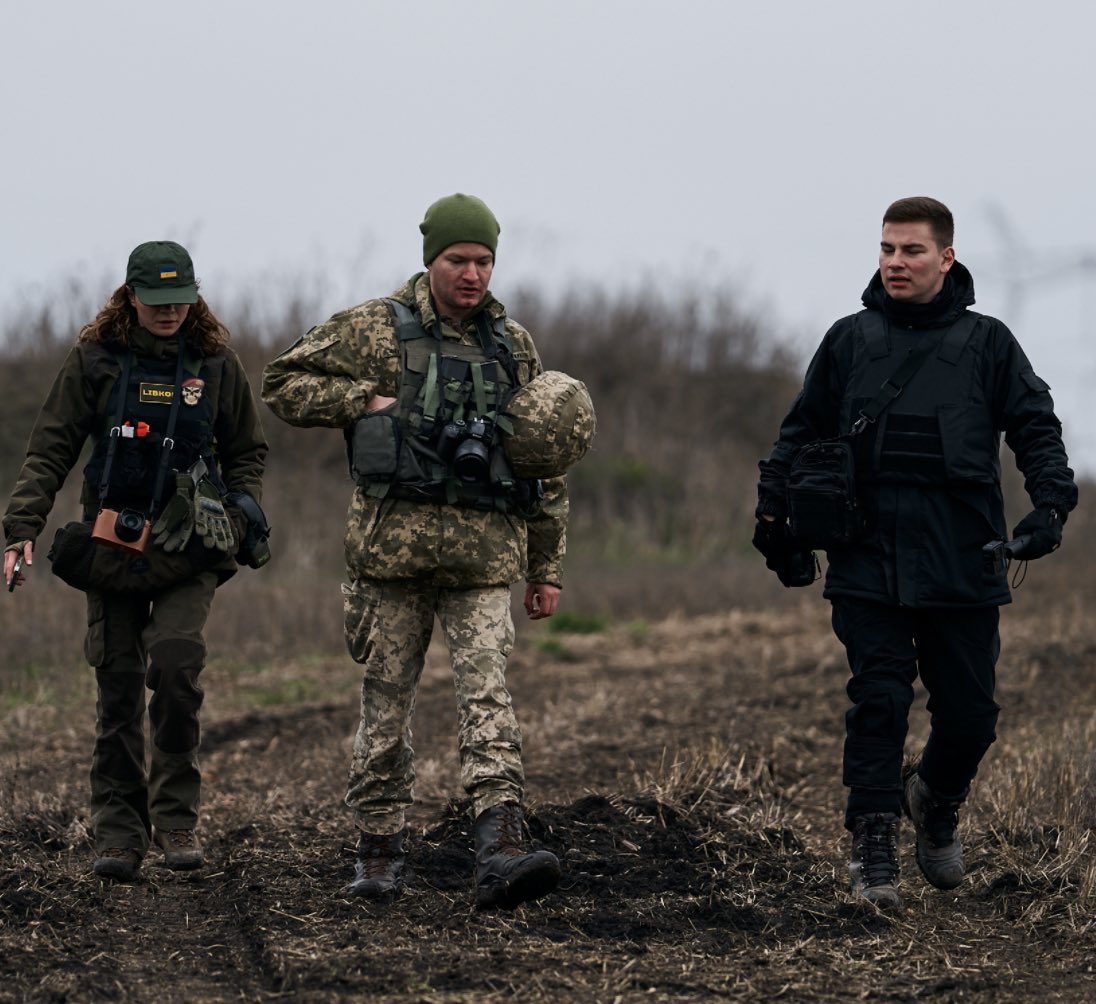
{"x":134,"y":643}
{"x":388,"y":629}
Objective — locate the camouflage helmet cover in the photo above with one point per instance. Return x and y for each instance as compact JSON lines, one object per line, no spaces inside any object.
{"x":553,"y":425}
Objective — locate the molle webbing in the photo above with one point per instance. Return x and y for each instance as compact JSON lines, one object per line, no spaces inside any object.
{"x":453,"y":387}
{"x":450,"y":398}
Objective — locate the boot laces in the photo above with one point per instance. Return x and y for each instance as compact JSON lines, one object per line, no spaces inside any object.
{"x":181,"y":840}
{"x":941,"y":820}
{"x":509,"y":840}
{"x":877,"y":851}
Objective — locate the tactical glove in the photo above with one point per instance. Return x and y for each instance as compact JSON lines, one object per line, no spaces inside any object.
{"x":794,"y":565}
{"x":176,"y":523}
{"x":1043,"y":529}
{"x":211,"y":522}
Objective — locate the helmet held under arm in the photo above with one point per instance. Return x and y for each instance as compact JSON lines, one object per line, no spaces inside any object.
{"x":553,"y":424}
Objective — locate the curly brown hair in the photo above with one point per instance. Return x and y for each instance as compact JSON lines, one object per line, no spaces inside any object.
{"x":113,"y":323}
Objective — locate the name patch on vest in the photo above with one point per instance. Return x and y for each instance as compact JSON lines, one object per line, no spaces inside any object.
{"x":156,"y":393}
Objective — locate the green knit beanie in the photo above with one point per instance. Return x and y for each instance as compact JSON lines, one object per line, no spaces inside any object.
{"x":454,"y":219}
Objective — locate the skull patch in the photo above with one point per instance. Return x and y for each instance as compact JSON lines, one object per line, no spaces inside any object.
{"x":192,"y":391}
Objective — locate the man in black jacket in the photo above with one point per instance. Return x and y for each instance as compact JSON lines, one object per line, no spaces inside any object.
{"x":912,"y":592}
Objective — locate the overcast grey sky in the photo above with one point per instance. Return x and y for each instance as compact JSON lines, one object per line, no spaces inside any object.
{"x":294,"y":146}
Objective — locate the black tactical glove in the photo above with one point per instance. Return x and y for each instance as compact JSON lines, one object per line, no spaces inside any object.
{"x":794,"y":565}
{"x":1043,"y":529}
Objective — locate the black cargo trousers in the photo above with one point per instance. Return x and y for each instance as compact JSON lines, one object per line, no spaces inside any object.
{"x":138,"y":641}
{"x":955,"y":651}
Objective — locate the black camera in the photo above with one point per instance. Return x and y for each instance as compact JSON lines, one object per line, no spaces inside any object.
{"x":450,"y":436}
{"x":126,"y":529}
{"x":997,"y":554}
{"x":468,"y":444}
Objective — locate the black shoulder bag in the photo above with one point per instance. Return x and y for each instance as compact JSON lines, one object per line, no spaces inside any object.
{"x":823,"y":510}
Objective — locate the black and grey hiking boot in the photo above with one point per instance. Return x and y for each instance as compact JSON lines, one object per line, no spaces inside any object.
{"x":118,"y":863}
{"x":936,"y":822}
{"x":506,"y":873}
{"x":874,"y":865}
{"x":379,"y":872}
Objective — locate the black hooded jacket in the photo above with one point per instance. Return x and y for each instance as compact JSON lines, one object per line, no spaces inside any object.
{"x":928,"y":471}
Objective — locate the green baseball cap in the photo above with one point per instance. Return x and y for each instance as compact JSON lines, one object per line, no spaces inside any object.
{"x":161,"y":272}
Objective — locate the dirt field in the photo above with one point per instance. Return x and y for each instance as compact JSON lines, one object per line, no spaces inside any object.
{"x":687,"y":775}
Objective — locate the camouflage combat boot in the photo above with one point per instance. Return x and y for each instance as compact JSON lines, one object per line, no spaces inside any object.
{"x":119,"y":863}
{"x":379,"y":872}
{"x":874,"y":865}
{"x":182,"y":850}
{"x":506,"y":873}
{"x":936,"y":822}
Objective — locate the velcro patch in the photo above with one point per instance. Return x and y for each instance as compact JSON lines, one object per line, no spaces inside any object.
{"x":157,"y":393}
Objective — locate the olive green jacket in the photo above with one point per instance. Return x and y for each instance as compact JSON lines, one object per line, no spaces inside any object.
{"x":326,"y":379}
{"x":75,"y":410}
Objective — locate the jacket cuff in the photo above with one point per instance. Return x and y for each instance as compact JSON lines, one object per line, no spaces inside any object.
{"x":771,"y":507}
{"x":1063,"y":508}
{"x":549,"y":574}
{"x":20,"y":535}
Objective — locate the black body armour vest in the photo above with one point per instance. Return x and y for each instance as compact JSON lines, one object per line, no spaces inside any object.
{"x":440,"y":441}
{"x":939,"y":430}
{"x":142,"y":436}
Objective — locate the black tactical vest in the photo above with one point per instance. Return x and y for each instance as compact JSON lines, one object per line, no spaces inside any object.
{"x":142,"y":435}
{"x":940,"y":429}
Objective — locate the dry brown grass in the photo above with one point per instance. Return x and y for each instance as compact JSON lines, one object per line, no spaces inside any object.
{"x":683,"y":762}
{"x":687,"y":773}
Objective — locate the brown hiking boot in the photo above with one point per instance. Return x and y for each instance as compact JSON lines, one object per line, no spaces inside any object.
{"x":506,"y":873}
{"x":182,"y":851}
{"x":379,"y":872}
{"x":120,"y":863}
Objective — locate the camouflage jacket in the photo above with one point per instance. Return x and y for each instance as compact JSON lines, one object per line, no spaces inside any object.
{"x":75,"y":410}
{"x":327,"y":377}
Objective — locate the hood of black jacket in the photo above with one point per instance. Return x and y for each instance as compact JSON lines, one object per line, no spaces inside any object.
{"x":956,"y":295}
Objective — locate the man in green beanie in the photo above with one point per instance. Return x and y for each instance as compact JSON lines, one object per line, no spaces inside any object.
{"x":439,"y":525}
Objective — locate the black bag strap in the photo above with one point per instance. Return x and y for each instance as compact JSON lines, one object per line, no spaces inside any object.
{"x":168,"y":443}
{"x":116,"y":429}
{"x":893,"y":385}
{"x":951,"y":344}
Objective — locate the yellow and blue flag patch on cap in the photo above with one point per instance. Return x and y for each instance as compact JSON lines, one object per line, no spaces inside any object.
{"x":168,"y":272}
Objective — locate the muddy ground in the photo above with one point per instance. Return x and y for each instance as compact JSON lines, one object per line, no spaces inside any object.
{"x":687,"y":775}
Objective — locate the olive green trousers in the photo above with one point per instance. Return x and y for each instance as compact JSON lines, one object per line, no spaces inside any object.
{"x":154,"y":642}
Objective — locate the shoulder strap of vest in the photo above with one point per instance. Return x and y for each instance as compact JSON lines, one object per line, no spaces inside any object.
{"x":953,"y":343}
{"x":496,"y":344}
{"x":408,"y":326}
{"x":872,"y":326}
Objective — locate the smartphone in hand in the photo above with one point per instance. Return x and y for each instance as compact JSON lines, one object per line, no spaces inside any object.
{"x":18,"y":567}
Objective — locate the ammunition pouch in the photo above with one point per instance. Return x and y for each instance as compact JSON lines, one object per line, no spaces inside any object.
{"x":385,"y":463}
{"x":82,"y":563}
